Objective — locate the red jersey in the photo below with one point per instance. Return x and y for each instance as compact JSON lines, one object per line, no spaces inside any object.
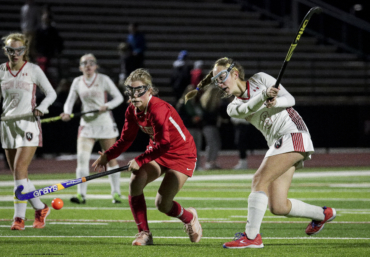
{"x":170,"y":142}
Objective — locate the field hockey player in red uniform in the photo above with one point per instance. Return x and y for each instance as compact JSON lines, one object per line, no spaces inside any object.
{"x":171,"y":152}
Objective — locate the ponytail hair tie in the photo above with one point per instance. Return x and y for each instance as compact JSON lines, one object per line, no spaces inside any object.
{"x":197,"y":88}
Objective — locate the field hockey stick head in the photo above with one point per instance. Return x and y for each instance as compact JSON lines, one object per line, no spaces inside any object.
{"x":18,"y":193}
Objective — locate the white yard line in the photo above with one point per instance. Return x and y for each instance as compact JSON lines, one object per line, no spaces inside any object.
{"x":197,"y":177}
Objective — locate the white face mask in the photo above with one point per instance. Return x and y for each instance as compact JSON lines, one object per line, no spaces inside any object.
{"x":222,"y":76}
{"x":88,"y":62}
{"x":15,"y":51}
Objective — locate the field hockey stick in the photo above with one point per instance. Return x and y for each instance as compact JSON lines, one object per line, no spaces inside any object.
{"x":19,"y":116}
{"x":63,"y":185}
{"x":306,"y":19}
{"x":56,"y":118}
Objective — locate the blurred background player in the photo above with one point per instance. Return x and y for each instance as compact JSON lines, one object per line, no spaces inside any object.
{"x":137,"y":43}
{"x":211,"y":103}
{"x":241,"y":127}
{"x":92,"y":88}
{"x":191,"y":114}
{"x":20,"y":138}
{"x":270,"y":110}
{"x":171,"y":152}
{"x":180,"y":77}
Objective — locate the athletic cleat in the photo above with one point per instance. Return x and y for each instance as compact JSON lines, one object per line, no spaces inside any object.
{"x":316,"y":226}
{"x":193,"y":229}
{"x":117,"y":198}
{"x":242,"y":241}
{"x":78,"y":199}
{"x":18,"y":224}
{"x":40,"y":217}
{"x":143,"y":238}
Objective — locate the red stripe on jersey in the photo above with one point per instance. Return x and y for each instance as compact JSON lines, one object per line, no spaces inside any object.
{"x":297,"y":140}
{"x":40,"y":134}
{"x":33,"y":99}
{"x":7,"y":65}
{"x":92,"y":83}
{"x":248,"y":90}
{"x":297,"y":119}
{"x":79,"y":131}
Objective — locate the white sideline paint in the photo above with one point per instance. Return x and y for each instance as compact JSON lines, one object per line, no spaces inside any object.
{"x":196,"y":177}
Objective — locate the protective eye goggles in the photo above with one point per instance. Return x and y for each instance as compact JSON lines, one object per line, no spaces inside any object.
{"x":222,"y":76}
{"x":88,"y":62}
{"x":15,"y":51}
{"x":138,"y":91}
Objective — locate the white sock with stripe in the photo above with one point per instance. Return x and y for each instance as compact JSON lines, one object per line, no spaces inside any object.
{"x":35,"y":202}
{"x":305,"y":210}
{"x":20,"y":206}
{"x":114,"y":181}
{"x":82,"y":188}
{"x":257,"y":205}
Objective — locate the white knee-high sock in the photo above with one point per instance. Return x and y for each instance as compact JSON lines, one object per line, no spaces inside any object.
{"x":305,"y":210}
{"x":114,"y":180}
{"x":35,"y":202}
{"x":82,"y":188}
{"x":257,"y":205}
{"x":20,"y":206}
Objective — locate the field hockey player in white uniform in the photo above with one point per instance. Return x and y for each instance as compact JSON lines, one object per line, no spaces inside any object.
{"x":270,"y":110}
{"x":20,"y":137}
{"x":92,"y":89}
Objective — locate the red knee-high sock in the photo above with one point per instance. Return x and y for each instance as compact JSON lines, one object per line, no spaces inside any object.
{"x":138,"y":209}
{"x":177,"y":211}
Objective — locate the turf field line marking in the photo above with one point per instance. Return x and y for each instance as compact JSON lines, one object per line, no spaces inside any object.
{"x":318,"y":174}
{"x":10,"y":198}
{"x":203,"y":221}
{"x":212,"y":238}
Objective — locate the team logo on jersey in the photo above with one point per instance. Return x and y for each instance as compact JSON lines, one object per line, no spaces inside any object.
{"x":266,"y":120}
{"x":279,"y":143}
{"x":29,"y":136}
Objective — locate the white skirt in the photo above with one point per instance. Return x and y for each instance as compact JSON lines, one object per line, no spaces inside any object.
{"x":98,"y":132}
{"x":294,"y":142}
{"x":21,"y":133}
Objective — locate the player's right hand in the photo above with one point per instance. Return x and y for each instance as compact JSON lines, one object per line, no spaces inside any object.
{"x":100,"y":163}
{"x":65,"y":116}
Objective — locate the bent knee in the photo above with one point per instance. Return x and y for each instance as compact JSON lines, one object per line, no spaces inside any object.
{"x":162,"y":204}
{"x":279,"y":210}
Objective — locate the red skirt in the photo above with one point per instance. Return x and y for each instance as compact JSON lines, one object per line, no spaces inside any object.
{"x":183,"y":165}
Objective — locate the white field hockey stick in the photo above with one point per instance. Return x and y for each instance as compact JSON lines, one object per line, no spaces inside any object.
{"x":63,"y":185}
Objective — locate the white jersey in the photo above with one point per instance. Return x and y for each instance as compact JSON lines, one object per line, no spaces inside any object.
{"x":93,"y":95}
{"x":18,"y":88}
{"x":273,"y":122}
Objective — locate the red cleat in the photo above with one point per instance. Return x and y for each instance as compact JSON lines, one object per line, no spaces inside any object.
{"x":40,"y":217}
{"x":18,"y":224}
{"x":316,"y":226}
{"x":242,"y":241}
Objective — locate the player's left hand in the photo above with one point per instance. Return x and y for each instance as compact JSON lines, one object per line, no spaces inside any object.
{"x":133,"y":166}
{"x":37,"y":113}
{"x":270,"y":102}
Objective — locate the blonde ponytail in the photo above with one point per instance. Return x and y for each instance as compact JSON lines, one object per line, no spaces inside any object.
{"x":202,"y":84}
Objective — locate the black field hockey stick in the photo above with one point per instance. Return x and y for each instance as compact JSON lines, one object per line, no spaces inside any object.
{"x":56,"y":118}
{"x":63,"y":185}
{"x":302,"y":27}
